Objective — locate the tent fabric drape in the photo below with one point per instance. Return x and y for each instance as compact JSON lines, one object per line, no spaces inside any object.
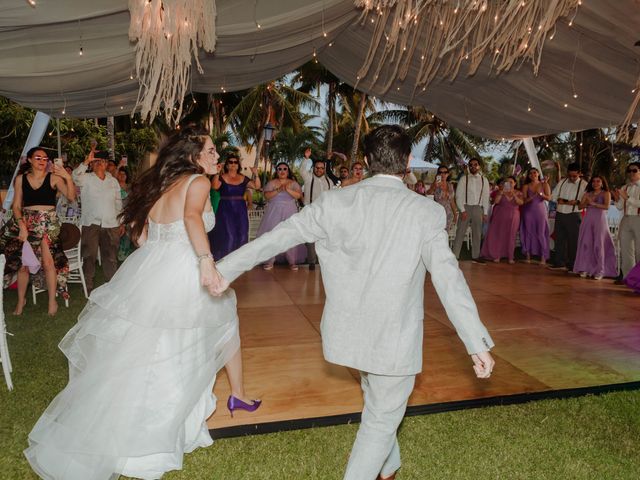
{"x":594,"y":59}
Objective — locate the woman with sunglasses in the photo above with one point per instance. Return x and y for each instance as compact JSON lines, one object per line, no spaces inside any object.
{"x":232,"y":219}
{"x":444,"y":194}
{"x":35,"y":221}
{"x":282,"y":194}
{"x":534,"y":228}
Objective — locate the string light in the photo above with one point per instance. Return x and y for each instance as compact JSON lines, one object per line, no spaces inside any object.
{"x":32,"y":3}
{"x":81,"y":52}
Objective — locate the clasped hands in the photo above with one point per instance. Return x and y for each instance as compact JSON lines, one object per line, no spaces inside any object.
{"x":211,"y":279}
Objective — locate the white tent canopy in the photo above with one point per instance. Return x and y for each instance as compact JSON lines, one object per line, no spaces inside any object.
{"x":594,"y":58}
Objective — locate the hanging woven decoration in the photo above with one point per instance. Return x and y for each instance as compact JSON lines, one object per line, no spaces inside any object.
{"x":168,"y":34}
{"x":626,"y":127}
{"x":447,"y":34}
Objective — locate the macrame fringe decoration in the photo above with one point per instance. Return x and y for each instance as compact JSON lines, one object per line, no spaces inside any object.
{"x":168,"y":34}
{"x":625,"y":129}
{"x":445,"y":34}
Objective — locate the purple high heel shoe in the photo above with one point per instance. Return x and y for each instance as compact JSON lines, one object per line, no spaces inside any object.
{"x":234,"y":403}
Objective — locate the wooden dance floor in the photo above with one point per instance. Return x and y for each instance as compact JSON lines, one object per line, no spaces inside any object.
{"x":552,"y":331}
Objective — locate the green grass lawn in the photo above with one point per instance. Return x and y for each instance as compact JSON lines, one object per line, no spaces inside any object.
{"x":593,"y":437}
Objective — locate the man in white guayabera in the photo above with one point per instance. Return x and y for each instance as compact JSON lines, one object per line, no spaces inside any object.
{"x":375,"y":241}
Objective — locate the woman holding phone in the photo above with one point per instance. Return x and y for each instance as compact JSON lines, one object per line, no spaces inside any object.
{"x":443,"y":193}
{"x":500,"y":240}
{"x":35,"y":221}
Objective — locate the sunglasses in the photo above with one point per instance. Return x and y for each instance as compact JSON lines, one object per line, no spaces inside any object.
{"x":232,"y":163}
{"x":283,"y":169}
{"x":443,"y":172}
{"x":38,"y":157}
{"x":631,"y":170}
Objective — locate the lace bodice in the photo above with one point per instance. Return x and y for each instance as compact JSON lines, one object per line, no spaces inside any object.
{"x":176,"y":231}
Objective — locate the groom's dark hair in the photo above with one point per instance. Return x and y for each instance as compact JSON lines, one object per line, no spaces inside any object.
{"x":387,"y":149}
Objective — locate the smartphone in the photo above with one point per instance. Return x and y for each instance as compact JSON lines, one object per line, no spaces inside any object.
{"x":438,"y":179}
{"x":506,"y":187}
{"x":58,"y":162}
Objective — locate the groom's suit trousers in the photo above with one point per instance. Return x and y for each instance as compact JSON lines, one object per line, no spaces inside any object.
{"x":376,"y":449}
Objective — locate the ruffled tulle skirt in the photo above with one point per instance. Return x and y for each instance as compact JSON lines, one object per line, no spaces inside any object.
{"x":143,"y":359}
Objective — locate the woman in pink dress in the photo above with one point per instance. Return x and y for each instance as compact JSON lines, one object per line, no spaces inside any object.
{"x":534,"y":228}
{"x":500,"y":241}
{"x":596,"y":255}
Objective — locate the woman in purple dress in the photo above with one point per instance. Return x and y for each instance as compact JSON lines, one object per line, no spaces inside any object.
{"x":534,"y":228}
{"x":282,"y":194}
{"x":596,"y":255}
{"x":632,"y":280}
{"x":443,"y":193}
{"x":500,"y":240}
{"x":232,"y":219}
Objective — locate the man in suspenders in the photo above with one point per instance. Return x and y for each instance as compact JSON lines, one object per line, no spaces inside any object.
{"x":567,"y":195}
{"x":472,"y":198}
{"x":628,"y":200}
{"x":316,"y":182}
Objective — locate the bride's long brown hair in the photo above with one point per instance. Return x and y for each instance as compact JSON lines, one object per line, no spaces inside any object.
{"x":177,"y":158}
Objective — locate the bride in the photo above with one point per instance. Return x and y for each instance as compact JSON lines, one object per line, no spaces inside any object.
{"x":144,"y":354}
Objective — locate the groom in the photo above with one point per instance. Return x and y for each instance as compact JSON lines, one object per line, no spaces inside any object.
{"x":375,"y":242}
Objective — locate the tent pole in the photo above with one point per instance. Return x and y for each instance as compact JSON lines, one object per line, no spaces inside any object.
{"x":59,"y":141}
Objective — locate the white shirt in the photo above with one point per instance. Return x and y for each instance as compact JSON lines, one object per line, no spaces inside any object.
{"x":568,"y":190}
{"x":375,"y":241}
{"x":473,"y":190}
{"x":313,"y":185}
{"x":631,"y":206}
{"x":100,"y":199}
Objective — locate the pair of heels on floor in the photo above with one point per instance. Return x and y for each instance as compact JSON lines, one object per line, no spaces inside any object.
{"x":234,"y":403}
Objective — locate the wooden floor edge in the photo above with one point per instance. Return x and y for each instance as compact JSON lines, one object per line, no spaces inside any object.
{"x":501,"y":400}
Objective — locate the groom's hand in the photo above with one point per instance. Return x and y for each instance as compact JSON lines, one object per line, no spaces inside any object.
{"x":483,"y":364}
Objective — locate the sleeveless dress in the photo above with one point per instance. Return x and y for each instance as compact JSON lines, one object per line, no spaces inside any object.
{"x":440,"y":196}
{"x":596,"y":254}
{"x":500,"y":240}
{"x":143,"y":359}
{"x":534,"y":228}
{"x":279,"y":208}
{"x":232,"y":226}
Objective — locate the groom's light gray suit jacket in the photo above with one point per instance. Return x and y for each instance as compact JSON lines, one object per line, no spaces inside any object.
{"x":375,"y":241}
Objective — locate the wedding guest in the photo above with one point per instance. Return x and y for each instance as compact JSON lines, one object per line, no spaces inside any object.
{"x":500,"y":241}
{"x":315,"y":184}
{"x":472,"y":199}
{"x":125,"y":248}
{"x":374,"y":282}
{"x":628,"y":200}
{"x":419,"y":188}
{"x":567,"y":195}
{"x":343,"y":174}
{"x":112,"y":168}
{"x":534,"y":227}
{"x":36,"y":222}
{"x":632,"y":280}
{"x":101,"y":205}
{"x":357,"y":174}
{"x":282,"y":194}
{"x":443,"y":193}
{"x":596,"y":254}
{"x":64,"y":206}
{"x":232,"y":217}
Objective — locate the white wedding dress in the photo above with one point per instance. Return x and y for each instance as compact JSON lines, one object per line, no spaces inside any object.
{"x":143,"y":359}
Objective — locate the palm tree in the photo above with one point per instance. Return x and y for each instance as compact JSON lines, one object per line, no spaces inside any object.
{"x":357,"y":110}
{"x":288,"y":144}
{"x":444,"y":142}
{"x":264,"y":103}
{"x":313,"y":76}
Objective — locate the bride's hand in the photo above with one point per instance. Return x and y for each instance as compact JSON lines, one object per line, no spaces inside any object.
{"x":211,"y":279}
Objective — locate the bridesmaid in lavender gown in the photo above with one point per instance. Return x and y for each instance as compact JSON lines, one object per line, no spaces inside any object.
{"x":232,"y":219}
{"x":500,"y":240}
{"x":596,"y":255}
{"x":534,"y":228}
{"x":282,"y":194}
{"x":632,"y":280}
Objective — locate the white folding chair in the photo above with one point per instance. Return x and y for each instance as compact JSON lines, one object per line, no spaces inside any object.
{"x":4,"y":348}
{"x":255,"y":217}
